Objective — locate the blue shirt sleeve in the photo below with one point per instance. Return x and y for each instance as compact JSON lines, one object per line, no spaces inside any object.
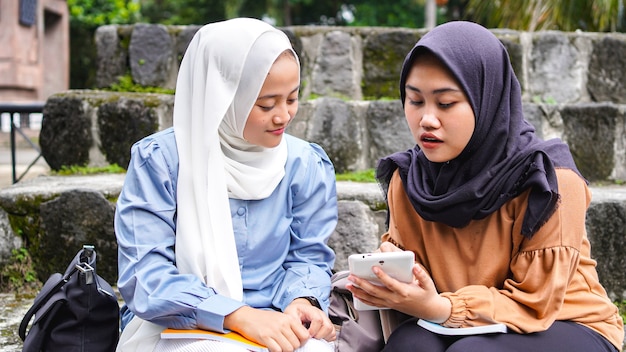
{"x":281,"y":240}
{"x":145,"y":223}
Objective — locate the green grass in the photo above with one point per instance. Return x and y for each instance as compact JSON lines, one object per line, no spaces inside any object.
{"x":126,"y":84}
{"x":358,"y":176}
{"x":85,"y":170}
{"x":18,"y":274}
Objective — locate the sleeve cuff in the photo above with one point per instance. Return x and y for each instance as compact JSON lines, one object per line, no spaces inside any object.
{"x":211,"y":312}
{"x":458,"y":315}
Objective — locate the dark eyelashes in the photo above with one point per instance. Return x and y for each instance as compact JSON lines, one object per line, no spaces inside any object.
{"x":419,"y":102}
{"x":268,"y":108}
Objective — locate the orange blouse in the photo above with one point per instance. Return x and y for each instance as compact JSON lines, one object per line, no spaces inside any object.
{"x":492,"y":273}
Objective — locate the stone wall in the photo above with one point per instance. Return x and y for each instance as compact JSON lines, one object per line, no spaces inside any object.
{"x":358,"y":63}
{"x":97,"y":128}
{"x":574,"y":88}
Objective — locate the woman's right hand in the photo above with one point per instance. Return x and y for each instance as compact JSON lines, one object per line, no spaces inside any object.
{"x":276,"y":330}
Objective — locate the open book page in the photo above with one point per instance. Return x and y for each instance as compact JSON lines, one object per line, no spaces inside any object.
{"x":231,"y":337}
{"x":475,"y":330}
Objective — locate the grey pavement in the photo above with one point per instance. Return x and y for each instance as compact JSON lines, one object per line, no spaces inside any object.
{"x":12,"y":310}
{"x":24,"y":156}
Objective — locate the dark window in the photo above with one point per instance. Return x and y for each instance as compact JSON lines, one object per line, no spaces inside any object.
{"x":28,"y":12}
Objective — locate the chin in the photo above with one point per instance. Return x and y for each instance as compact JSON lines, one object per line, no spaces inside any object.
{"x":273,"y":144}
{"x":434,"y":159}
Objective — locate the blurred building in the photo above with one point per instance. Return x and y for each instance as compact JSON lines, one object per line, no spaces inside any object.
{"x":34,"y":49}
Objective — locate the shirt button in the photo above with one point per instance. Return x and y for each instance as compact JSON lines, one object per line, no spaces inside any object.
{"x":241,"y":211}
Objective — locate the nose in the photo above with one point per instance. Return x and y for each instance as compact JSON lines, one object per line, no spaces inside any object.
{"x":429,"y":120}
{"x":282,"y":115}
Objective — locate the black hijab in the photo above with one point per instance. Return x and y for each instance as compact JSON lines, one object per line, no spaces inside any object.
{"x":504,"y":156}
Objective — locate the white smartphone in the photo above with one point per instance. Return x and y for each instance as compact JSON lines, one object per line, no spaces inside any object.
{"x":398,"y":265}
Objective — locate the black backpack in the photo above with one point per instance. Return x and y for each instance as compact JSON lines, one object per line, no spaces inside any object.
{"x":74,"y":312}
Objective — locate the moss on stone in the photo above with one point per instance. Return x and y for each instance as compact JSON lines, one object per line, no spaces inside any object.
{"x":124,"y":32}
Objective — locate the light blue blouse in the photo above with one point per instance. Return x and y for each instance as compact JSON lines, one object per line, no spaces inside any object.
{"x":281,"y":240}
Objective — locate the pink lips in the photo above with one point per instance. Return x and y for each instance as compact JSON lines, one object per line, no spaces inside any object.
{"x":430,"y":141}
{"x":278,"y":131}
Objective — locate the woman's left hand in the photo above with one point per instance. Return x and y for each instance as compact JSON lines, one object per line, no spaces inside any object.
{"x":319,"y":325}
{"x":418,"y":298}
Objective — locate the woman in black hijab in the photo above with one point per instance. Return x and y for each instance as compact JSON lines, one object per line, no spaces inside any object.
{"x":494,"y":214}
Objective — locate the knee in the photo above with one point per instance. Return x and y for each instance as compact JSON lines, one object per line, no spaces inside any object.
{"x":469,"y":344}
{"x":403,"y":338}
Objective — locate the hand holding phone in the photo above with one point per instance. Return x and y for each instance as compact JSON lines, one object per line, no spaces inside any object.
{"x":398,"y":265}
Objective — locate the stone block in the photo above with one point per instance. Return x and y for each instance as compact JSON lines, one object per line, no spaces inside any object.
{"x":387,"y":130}
{"x":590,"y":132}
{"x":55,"y":215}
{"x":383,"y":55}
{"x":138,"y":120}
{"x":335,"y":125}
{"x":111,"y":54}
{"x":606,"y":226}
{"x":97,"y":128}
{"x":66,"y":137}
{"x":513,"y":43}
{"x":356,"y":232}
{"x":76,"y":217}
{"x":336,"y":71}
{"x":535,"y":115}
{"x":183,"y":38}
{"x":555,"y":69}
{"x":8,"y":240}
{"x":151,"y":56}
{"x":606,"y":78}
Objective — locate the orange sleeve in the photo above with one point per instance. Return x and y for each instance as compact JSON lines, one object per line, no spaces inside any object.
{"x":540,"y":270}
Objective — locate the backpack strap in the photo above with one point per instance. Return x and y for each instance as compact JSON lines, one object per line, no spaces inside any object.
{"x":52,"y":286}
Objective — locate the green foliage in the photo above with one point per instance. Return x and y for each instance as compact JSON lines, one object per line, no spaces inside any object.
{"x":534,"y":15}
{"x":101,"y":12}
{"x":400,"y":13}
{"x":368,"y":175}
{"x":622,"y":309}
{"x":182,"y":12}
{"x":544,"y":100}
{"x":125,"y":84}
{"x":281,"y":12}
{"x":85,"y":17}
{"x":85,"y":170}
{"x":18,"y":275}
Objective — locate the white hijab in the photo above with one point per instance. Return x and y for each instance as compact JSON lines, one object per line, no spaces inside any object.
{"x":220,"y":78}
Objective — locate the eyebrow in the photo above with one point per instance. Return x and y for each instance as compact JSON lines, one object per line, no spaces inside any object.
{"x":269,"y":96}
{"x":436,"y":91}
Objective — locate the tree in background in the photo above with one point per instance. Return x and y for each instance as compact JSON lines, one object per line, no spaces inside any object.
{"x":401,"y":13}
{"x":277,"y":12}
{"x":85,"y":17}
{"x":182,"y":12}
{"x":527,"y":15}
{"x":533,"y":15}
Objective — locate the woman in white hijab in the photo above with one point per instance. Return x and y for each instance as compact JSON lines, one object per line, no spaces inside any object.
{"x":223,"y":220}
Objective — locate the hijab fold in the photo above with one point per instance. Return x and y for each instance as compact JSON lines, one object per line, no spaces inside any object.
{"x":220,"y":77}
{"x":503,"y":158}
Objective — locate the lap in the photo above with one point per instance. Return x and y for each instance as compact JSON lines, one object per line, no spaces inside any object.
{"x":561,"y":336}
{"x":180,"y":345}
